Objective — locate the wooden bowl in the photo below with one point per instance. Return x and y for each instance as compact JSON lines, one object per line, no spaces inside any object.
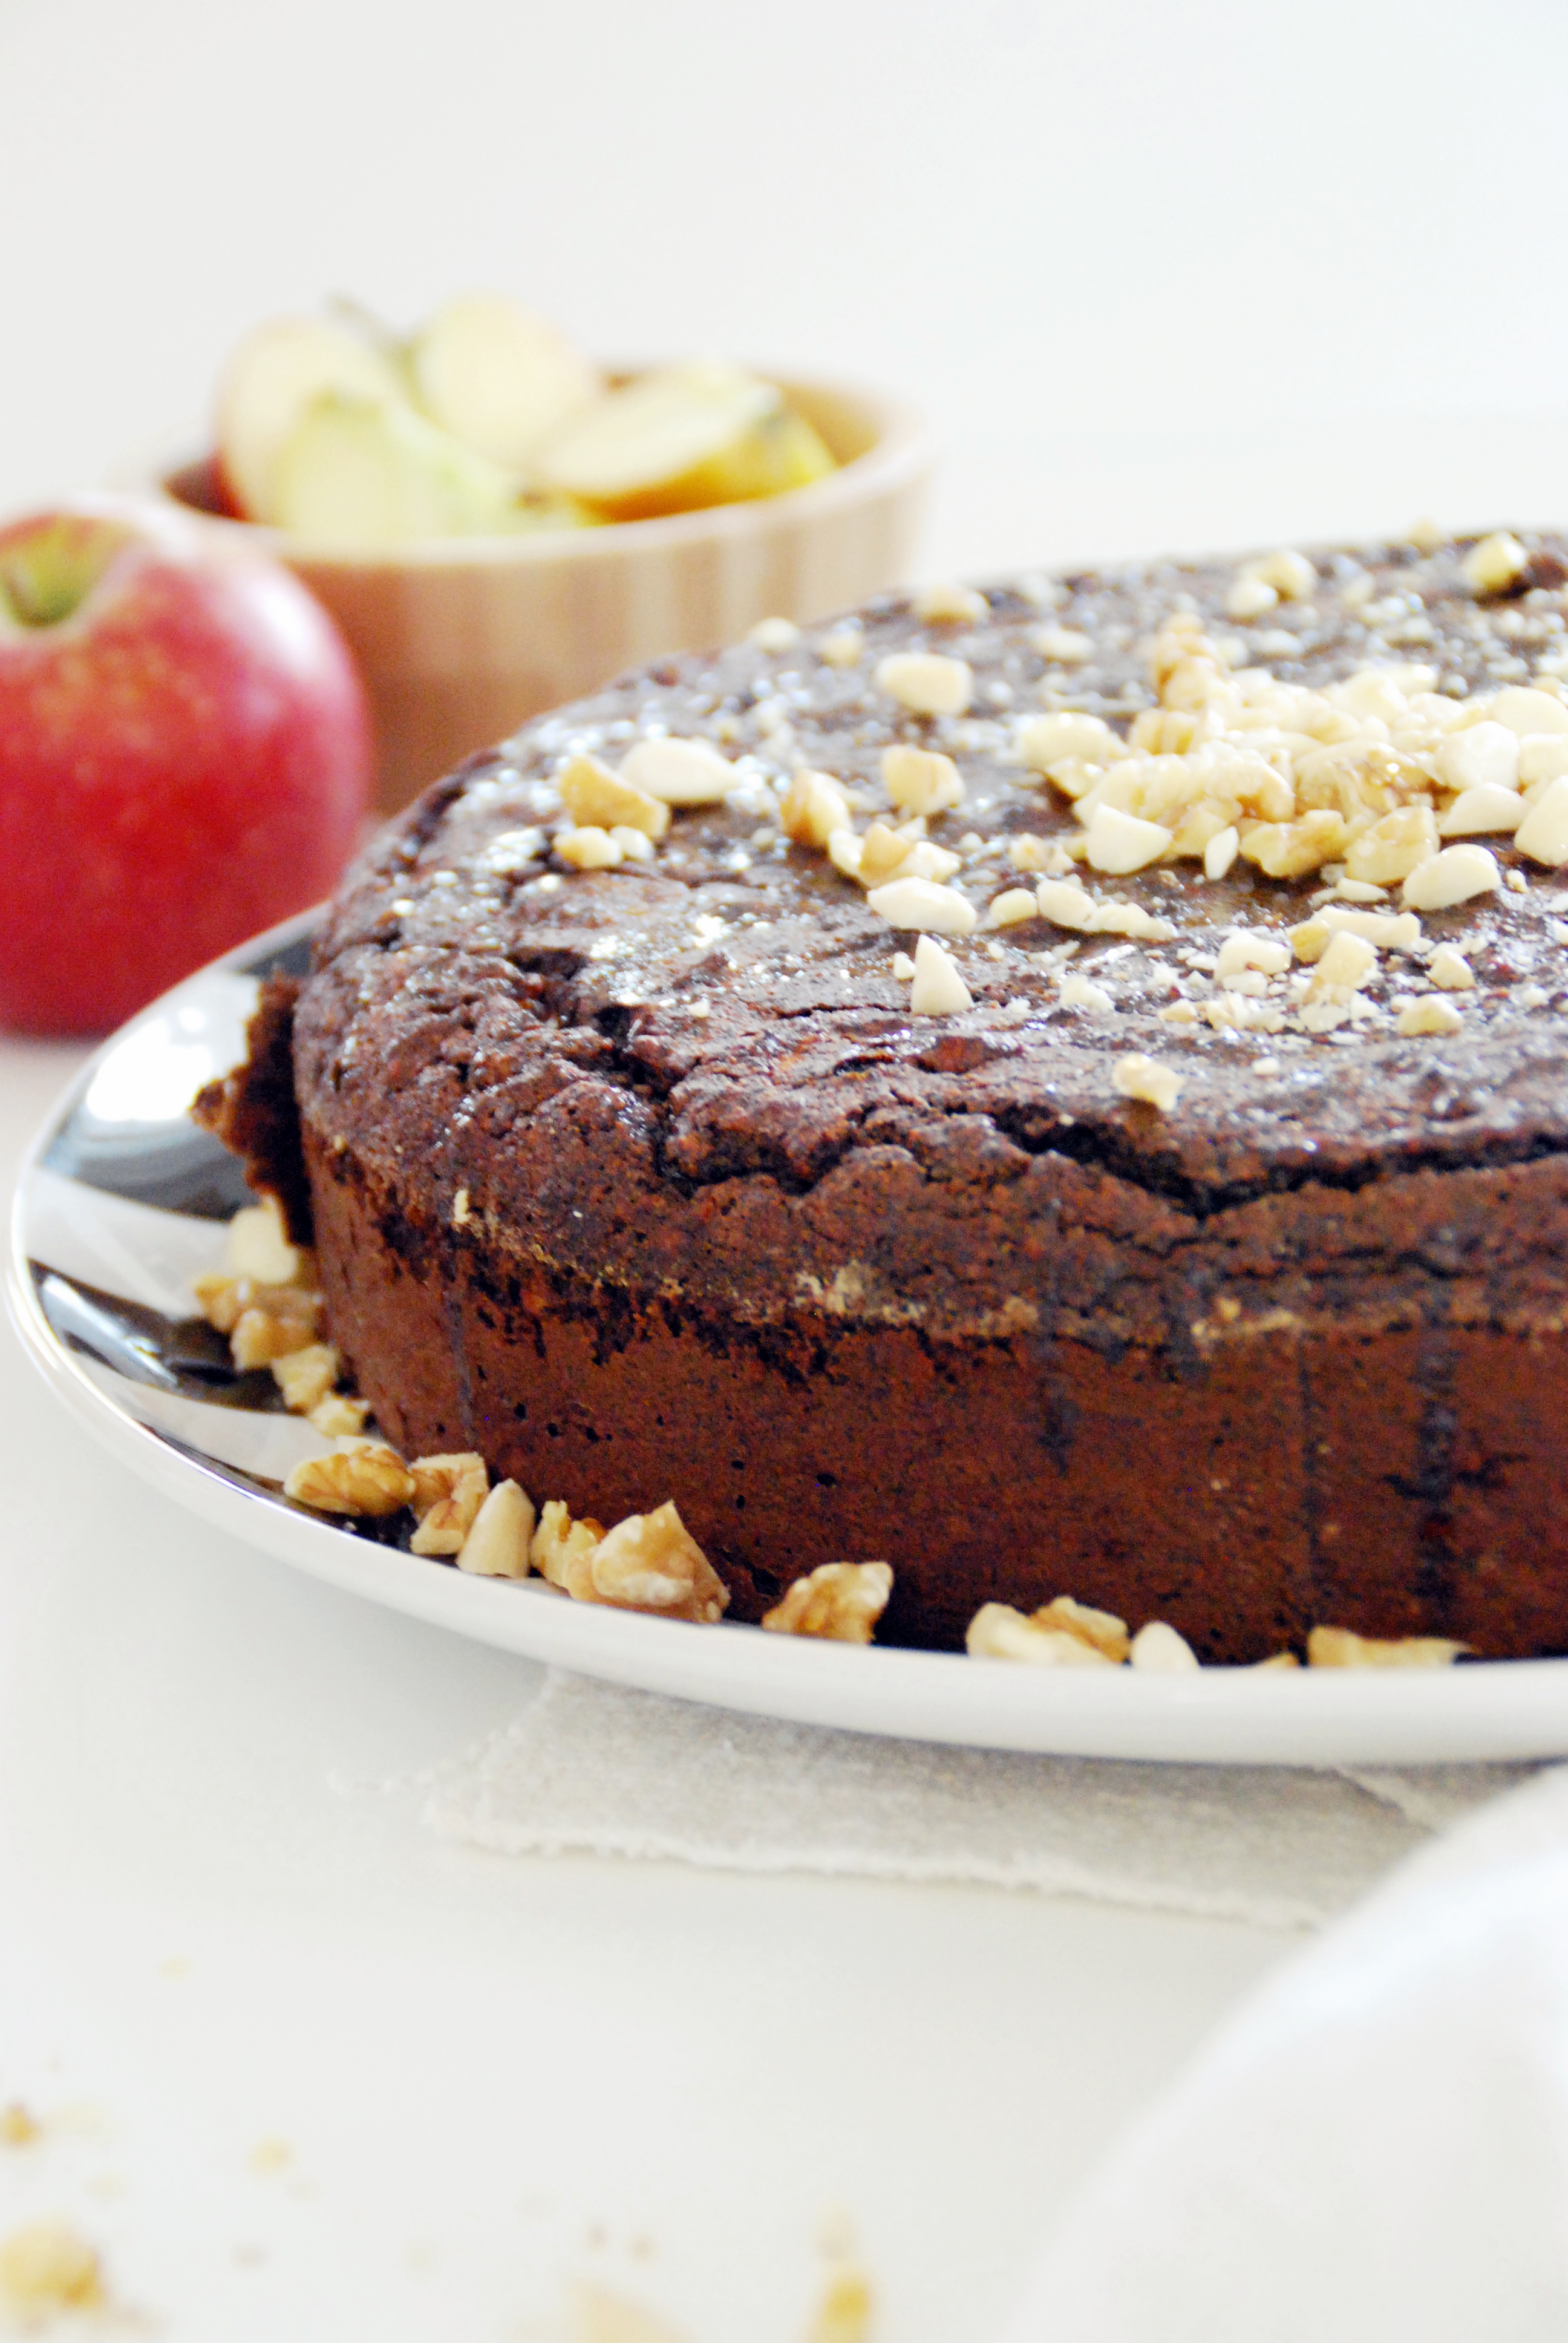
{"x":459,"y":640}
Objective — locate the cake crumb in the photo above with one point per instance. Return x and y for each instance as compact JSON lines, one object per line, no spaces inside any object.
{"x":47,"y":2267}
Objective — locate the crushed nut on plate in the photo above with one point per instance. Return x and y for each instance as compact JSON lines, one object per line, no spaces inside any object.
{"x":841,"y":1601}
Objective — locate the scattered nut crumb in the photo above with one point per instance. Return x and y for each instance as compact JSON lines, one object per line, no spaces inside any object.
{"x":999,"y":1631}
{"x":651,"y":1563}
{"x":774,"y":634}
{"x":17,"y":2127}
{"x":1162,"y":1651}
{"x":844,"y":2314}
{"x":601,"y":2318}
{"x":920,"y":781}
{"x":926,"y":683}
{"x":1338,"y":1647}
{"x":447,"y":1493}
{"x":269,"y":2156}
{"x":1491,"y":567}
{"x":305,"y":1377}
{"x":497,"y":1546}
{"x":339,"y":1417}
{"x":1139,"y":1077}
{"x":45,"y":2267}
{"x":363,"y":1476}
{"x":1428,"y":1015}
{"x":845,"y":647}
{"x":841,"y":1601}
{"x":939,"y":990}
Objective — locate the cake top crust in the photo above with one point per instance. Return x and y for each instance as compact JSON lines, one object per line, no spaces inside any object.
{"x":1152,"y":1001}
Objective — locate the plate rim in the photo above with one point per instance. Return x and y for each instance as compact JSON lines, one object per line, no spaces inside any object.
{"x":1307,"y":1717}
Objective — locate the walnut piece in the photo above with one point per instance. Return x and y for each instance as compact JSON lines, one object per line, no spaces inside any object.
{"x":998,"y":1632}
{"x":1339,"y":1647}
{"x":562,"y":1549}
{"x":281,"y":1319}
{"x":651,"y":1562}
{"x":305,"y":1377}
{"x":339,"y":1417}
{"x":596,"y":797}
{"x":449,"y":1492}
{"x":363,"y":1476}
{"x":841,"y":1601}
{"x":497,"y":1546}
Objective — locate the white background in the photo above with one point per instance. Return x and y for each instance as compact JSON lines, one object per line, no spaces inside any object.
{"x":1164,"y":274}
{"x":1213,"y":273}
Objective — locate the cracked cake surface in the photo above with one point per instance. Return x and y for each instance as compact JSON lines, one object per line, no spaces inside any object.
{"x":647,"y":1174}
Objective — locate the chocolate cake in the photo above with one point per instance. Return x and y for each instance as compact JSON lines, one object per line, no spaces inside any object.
{"x":1187,"y":1230}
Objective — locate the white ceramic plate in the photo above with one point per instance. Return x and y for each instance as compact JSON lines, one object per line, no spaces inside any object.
{"x":122,"y":1202}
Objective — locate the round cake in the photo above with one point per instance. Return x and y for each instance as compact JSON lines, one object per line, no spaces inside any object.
{"x":1056,"y":1089}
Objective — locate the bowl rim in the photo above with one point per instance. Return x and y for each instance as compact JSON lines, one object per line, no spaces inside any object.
{"x":903,"y":450}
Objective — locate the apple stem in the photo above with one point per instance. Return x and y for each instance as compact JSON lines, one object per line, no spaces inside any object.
{"x":49,"y":572}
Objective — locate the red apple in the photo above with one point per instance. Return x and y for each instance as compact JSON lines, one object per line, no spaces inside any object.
{"x":185,"y":756}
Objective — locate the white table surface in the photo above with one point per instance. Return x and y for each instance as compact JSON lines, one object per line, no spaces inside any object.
{"x":1165,"y":277}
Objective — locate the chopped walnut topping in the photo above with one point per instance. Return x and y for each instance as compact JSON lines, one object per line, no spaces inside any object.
{"x":1429,"y":1014}
{"x":596,"y":797}
{"x":1450,"y":970}
{"x":305,"y":1376}
{"x":1544,"y":832}
{"x":1119,"y":842}
{"x":1492,"y":565}
{"x":47,"y":2267}
{"x":1338,"y":1647}
{"x":363,"y":1476}
{"x":946,"y":604}
{"x":939,"y":990}
{"x":1137,"y":1077}
{"x":903,"y":967}
{"x":651,"y":1562}
{"x":257,"y":1247}
{"x":920,"y":781}
{"x":590,"y":849}
{"x":845,"y":647}
{"x":814,"y":809}
{"x":926,"y":683}
{"x":1063,"y":646}
{"x":496,"y":1545}
{"x":1162,"y":1651}
{"x":774,"y":634}
{"x":1078,"y":992}
{"x":1249,"y":597}
{"x":842,"y":1601}
{"x":339,"y":1417}
{"x":998,"y":1632}
{"x":281,"y":1319}
{"x":449,"y":1492}
{"x":925,"y":904}
{"x":1102,"y":1629}
{"x":562,"y":1550}
{"x":1011,"y":907}
{"x":1452,"y":876}
{"x":678,"y":772}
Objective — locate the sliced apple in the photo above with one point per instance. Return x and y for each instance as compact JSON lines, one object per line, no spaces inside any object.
{"x":365,"y":472}
{"x":497,"y":376}
{"x":273,"y":377}
{"x":681,"y":439}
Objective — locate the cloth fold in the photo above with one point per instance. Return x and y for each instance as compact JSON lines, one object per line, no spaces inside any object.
{"x":1375,"y":2148}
